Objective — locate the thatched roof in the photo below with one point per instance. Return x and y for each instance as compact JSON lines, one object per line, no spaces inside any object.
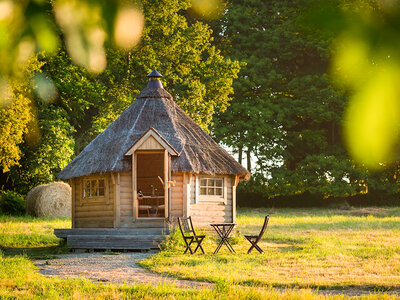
{"x":153,"y":108}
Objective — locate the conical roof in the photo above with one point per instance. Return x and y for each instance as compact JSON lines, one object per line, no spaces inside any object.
{"x":153,"y":108}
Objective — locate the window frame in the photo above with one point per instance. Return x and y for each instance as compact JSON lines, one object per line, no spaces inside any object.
{"x":214,"y":187}
{"x":97,"y":198}
{"x":211,"y":198}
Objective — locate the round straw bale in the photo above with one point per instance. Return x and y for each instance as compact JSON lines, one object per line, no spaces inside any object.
{"x":31,"y":199}
{"x":49,"y":200}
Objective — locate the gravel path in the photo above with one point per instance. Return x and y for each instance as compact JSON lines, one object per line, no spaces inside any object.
{"x":99,"y":267}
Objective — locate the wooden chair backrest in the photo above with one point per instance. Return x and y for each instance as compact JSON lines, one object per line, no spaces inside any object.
{"x":186,"y":225}
{"x":263,"y":228}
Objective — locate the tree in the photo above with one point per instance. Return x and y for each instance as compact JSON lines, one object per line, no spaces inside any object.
{"x":195,"y":73}
{"x":286,"y":110}
{"x":13,"y":120}
{"x":72,"y":103}
{"x":15,"y":114}
{"x":49,"y":151}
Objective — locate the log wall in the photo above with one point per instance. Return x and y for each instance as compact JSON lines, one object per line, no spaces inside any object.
{"x":94,"y":212}
{"x":211,"y":210}
{"x":99,"y":213}
{"x":177,"y":196}
{"x":126,"y":199}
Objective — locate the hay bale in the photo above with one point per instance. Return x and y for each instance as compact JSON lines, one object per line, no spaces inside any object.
{"x":49,"y":200}
{"x":31,"y":199}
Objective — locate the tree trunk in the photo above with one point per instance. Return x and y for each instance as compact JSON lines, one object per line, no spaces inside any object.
{"x":248,"y":159}
{"x":240,"y":155}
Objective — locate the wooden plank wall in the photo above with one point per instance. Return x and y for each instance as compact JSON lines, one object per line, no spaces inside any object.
{"x":91,"y":213}
{"x":206,"y":212}
{"x":177,"y":196}
{"x":126,"y":198}
{"x":150,"y":144}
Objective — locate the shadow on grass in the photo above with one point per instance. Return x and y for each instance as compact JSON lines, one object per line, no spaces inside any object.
{"x":351,"y":289}
{"x":291,"y":248}
{"x":284,"y":240}
{"x":361,"y":224}
{"x":47,"y":252}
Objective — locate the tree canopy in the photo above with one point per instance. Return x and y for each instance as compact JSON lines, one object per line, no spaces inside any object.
{"x":287,"y":111}
{"x":79,"y":104}
{"x":306,"y":90}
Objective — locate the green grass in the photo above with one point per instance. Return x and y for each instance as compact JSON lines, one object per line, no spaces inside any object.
{"x":304,"y":248}
{"x":318,"y":248}
{"x":20,"y":280}
{"x":31,"y":236}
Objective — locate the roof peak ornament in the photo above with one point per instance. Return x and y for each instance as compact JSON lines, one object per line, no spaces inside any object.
{"x":154,"y":82}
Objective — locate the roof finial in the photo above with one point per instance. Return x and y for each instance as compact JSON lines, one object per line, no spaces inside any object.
{"x":154,"y":83}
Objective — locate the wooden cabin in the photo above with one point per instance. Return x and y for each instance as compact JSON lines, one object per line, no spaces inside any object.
{"x":150,"y":166}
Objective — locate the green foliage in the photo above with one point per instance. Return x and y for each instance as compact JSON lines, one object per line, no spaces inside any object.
{"x":48,"y":153}
{"x":13,"y":121}
{"x":366,"y":63}
{"x":287,"y":112}
{"x":15,"y":115}
{"x":173,"y":242}
{"x":85,"y":27}
{"x":81,"y":104}
{"x":11,"y":203}
{"x":195,"y":73}
{"x":29,"y":27}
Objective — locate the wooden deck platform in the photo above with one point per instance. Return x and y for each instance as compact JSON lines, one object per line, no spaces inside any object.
{"x":115,"y":239}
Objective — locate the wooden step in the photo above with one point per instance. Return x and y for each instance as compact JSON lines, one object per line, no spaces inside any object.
{"x":63,"y":233}
{"x":129,"y":242}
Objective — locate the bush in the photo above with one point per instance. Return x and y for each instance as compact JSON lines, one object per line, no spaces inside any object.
{"x":11,"y":203}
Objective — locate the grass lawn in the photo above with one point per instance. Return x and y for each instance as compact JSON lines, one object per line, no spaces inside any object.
{"x":304,"y":248}
{"x":318,"y":248}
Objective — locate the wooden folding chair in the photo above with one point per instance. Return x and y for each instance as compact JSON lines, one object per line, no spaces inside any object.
{"x":254,"y":239}
{"x":189,"y":235}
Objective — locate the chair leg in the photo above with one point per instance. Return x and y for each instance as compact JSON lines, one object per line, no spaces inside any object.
{"x":201,"y":248}
{"x":251,"y":248}
{"x":199,"y":241}
{"x":259,"y":249}
{"x":251,"y":242}
{"x":188,"y":246}
{"x":254,"y":245}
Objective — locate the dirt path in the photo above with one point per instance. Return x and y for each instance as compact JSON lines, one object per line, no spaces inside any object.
{"x":99,"y":267}
{"x":123,"y":268}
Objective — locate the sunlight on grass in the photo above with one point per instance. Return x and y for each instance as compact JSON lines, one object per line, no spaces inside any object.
{"x":19,"y":279}
{"x":20,"y":232}
{"x":303,"y":248}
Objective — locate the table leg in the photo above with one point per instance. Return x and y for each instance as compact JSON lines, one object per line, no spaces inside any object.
{"x":224,"y":235}
{"x":226,"y":242}
{"x":221,"y":242}
{"x":219,"y":247}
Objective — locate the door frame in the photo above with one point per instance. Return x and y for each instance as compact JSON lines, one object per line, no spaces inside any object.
{"x":167,"y":178}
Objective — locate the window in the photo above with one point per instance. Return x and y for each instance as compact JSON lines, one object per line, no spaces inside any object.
{"x":211,"y":186}
{"x":94,"y":188}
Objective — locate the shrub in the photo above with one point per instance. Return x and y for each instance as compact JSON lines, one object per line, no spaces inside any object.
{"x":11,"y":203}
{"x":173,"y":242}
